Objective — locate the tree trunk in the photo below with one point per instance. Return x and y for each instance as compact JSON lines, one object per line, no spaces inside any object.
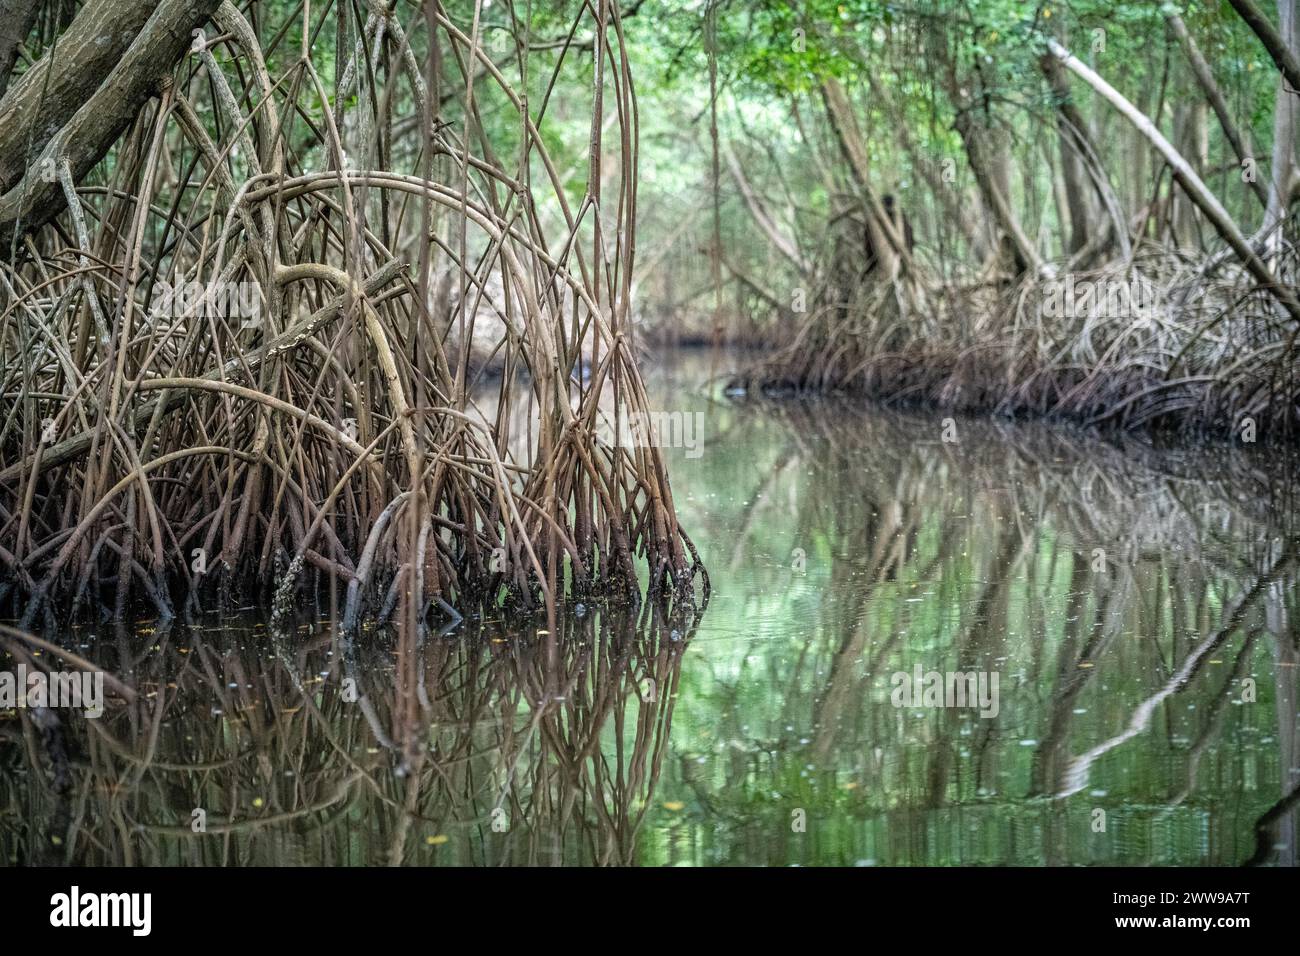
{"x":1081,"y":141}
{"x":1069,"y":131}
{"x":46,"y":96}
{"x":1213,"y":95}
{"x":945,"y":193}
{"x":1190,"y":139}
{"x":92,"y":98}
{"x":887,"y":239}
{"x":16,"y":19}
{"x":1284,"y":128}
{"x":783,"y":243}
{"x":1282,"y":51}
{"x":988,"y":171}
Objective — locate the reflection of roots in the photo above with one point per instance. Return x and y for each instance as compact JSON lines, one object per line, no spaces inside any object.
{"x":1075,"y":775}
{"x":534,"y":748}
{"x":997,"y":533}
{"x":1264,"y":827}
{"x":1118,"y":490}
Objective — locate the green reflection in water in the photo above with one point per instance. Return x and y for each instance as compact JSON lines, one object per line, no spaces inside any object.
{"x":1137,"y":607}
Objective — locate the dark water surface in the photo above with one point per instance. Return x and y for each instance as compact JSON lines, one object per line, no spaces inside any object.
{"x":1136,"y":608}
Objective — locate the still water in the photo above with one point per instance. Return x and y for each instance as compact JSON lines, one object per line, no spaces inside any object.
{"x":1127,"y":618}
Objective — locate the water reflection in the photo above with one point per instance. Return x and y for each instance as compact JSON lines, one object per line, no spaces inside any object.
{"x":1138,"y":608}
{"x":244,"y":746}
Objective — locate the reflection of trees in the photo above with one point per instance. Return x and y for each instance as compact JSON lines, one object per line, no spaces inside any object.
{"x":1091,"y":575}
{"x":556,"y":738}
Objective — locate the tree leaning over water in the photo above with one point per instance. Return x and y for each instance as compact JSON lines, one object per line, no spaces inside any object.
{"x":263,"y":262}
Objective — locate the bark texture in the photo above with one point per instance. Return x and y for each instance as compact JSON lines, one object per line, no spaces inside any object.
{"x":74,"y":103}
